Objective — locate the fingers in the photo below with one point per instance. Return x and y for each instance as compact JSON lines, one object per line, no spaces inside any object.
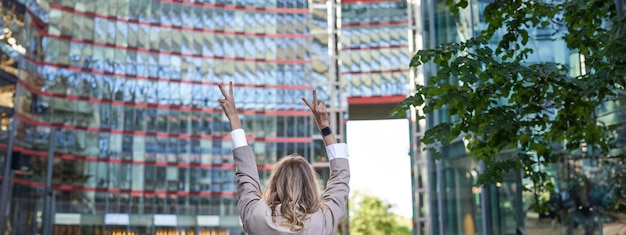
{"x":321,"y":107}
{"x":222,"y":90}
{"x":307,"y":103}
{"x":313,"y":104}
{"x":230,"y":88}
{"x":321,"y":104}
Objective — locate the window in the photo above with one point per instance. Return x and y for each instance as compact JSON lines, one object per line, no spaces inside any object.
{"x":195,"y":16}
{"x":162,"y":148}
{"x":127,"y":146}
{"x":139,"y":175}
{"x":155,"y":9}
{"x":185,"y":121}
{"x":176,"y":14}
{"x":104,"y":145}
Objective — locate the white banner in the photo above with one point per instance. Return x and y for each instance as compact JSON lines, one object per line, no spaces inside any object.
{"x":165,"y":220}
{"x":117,"y":219}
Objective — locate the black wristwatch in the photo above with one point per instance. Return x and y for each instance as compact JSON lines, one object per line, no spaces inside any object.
{"x":326,"y":131}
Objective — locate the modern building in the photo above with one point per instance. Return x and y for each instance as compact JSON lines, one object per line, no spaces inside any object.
{"x":117,"y":129}
{"x":375,"y":40}
{"x":456,"y":205}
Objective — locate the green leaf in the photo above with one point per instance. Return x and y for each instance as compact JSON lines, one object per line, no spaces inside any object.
{"x":492,"y":88}
{"x":415,"y":61}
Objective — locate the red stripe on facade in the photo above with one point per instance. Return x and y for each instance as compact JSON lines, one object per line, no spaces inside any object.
{"x":378,"y":71}
{"x":161,"y":106}
{"x":36,"y":184}
{"x":37,"y":153}
{"x":184,"y":28}
{"x":373,"y":48}
{"x":370,"y":24}
{"x":241,"y":8}
{"x":391,"y":99}
{"x":224,"y":137}
{"x":123,"y":75}
{"x":188,"y":55}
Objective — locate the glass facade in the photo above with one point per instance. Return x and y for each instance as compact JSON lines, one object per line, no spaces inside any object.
{"x":117,"y":100}
{"x":374,"y":48}
{"x":121,"y":96}
{"x":11,"y":51}
{"x":456,"y":205}
{"x":377,"y":40}
{"x":325,"y":72}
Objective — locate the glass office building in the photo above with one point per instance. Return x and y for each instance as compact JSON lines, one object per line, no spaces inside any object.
{"x":374,"y":48}
{"x":456,"y":205}
{"x":121,"y":96}
{"x":116,"y":104}
{"x":377,"y":40}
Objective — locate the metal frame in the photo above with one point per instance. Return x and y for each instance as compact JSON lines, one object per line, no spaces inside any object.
{"x":419,"y":159}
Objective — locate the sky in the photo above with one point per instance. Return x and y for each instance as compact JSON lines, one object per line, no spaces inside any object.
{"x":379,"y":161}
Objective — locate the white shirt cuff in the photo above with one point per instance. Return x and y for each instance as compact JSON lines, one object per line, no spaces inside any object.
{"x":339,"y":150}
{"x":239,"y":138}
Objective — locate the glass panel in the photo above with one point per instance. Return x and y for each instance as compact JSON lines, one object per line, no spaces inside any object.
{"x":155,"y":10}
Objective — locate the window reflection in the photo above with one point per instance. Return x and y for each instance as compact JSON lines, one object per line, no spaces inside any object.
{"x":120,"y":70}
{"x":195,"y":16}
{"x":229,"y":46}
{"x":176,"y":14}
{"x":209,"y":18}
{"x":238,"y":44}
{"x":219,"y":18}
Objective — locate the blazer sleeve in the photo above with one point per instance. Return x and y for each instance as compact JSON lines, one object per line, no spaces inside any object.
{"x":337,"y":189}
{"x":248,"y":186}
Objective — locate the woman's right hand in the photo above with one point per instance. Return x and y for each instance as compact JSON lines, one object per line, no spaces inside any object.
{"x":319,"y":111}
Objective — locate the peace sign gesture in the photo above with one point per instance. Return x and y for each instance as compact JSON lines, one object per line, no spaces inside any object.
{"x":319,"y":111}
{"x":228,"y":105}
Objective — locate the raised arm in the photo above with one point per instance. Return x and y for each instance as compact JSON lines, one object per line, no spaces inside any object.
{"x":246,"y":173}
{"x":337,"y":189}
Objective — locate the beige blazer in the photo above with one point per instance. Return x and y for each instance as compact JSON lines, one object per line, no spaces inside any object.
{"x":256,"y":215}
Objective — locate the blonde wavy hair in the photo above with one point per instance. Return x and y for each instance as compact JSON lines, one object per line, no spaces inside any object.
{"x":292,"y":192}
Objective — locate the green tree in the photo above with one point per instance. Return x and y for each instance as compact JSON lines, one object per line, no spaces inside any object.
{"x":501,"y":100}
{"x":371,"y":215}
